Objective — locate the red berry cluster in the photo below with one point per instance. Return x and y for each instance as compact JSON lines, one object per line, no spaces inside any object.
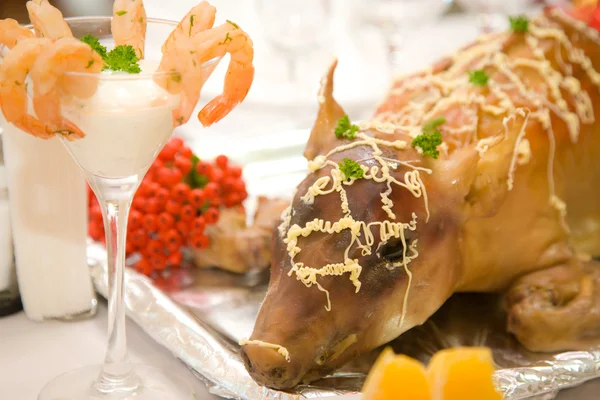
{"x":179,"y":196}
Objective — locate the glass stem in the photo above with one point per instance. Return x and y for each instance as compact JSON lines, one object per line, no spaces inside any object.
{"x":116,"y":374}
{"x":292,"y":67}
{"x":395,"y":42}
{"x":485,"y":22}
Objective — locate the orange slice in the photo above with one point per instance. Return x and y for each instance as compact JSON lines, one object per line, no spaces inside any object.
{"x":462,"y":374}
{"x":396,"y":377}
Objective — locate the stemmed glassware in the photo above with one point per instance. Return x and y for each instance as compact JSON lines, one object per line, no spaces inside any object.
{"x":492,"y":15}
{"x":294,"y":28}
{"x":127,"y":122}
{"x":400,"y":20}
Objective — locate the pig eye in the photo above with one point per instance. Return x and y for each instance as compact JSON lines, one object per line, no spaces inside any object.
{"x":393,"y":250}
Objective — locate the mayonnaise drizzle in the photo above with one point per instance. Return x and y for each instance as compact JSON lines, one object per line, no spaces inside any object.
{"x":282,"y":351}
{"x":335,"y":182}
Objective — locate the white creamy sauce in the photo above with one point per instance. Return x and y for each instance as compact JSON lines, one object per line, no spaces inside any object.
{"x":126,"y":123}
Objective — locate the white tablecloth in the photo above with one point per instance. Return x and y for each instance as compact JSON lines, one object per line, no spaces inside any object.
{"x":31,"y":353}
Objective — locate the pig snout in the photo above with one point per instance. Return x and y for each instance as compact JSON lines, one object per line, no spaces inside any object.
{"x":267,"y":367}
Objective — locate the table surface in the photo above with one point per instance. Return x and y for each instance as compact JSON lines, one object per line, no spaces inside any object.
{"x":32,"y":353}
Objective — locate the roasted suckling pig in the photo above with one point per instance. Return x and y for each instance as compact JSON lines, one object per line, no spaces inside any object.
{"x":479,"y":174}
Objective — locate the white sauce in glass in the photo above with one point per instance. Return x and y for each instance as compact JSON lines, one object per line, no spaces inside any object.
{"x":126,"y":123}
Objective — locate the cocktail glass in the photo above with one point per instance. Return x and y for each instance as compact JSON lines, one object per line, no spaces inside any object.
{"x":126,"y":123}
{"x":399,"y":20}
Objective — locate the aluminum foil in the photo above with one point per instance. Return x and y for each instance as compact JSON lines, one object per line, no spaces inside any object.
{"x":199,"y":315}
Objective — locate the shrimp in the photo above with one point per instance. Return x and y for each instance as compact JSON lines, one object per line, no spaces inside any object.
{"x":200,"y":18}
{"x":13,"y":88}
{"x":47,"y":20}
{"x":129,"y":24}
{"x":227,"y":38}
{"x":11,"y":32}
{"x":64,"y":55}
{"x":180,"y":73}
{"x":177,"y":52}
{"x":191,"y":94}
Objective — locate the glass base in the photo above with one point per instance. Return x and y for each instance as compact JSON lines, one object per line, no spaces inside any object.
{"x":147,"y":384}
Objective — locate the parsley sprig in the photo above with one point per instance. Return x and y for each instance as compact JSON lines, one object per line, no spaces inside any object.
{"x":478,"y":77}
{"x":121,"y":58}
{"x":351,"y":169}
{"x":431,"y":138}
{"x":519,"y":24}
{"x":94,"y":43}
{"x":345,"y":129}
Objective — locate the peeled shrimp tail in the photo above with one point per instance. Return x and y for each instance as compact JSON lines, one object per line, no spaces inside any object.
{"x":47,"y":20}
{"x":234,"y":92}
{"x":200,"y":18}
{"x":13,"y":87}
{"x":214,"y":43}
{"x":128,"y":25}
{"x":191,"y":94}
{"x":63,"y":56}
{"x":14,"y":108}
{"x":185,"y":57}
{"x":11,"y":32}
{"x":227,"y":38}
{"x":177,"y":57}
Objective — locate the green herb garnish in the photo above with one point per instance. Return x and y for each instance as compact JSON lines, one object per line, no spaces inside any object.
{"x":120,"y":13}
{"x":123,"y":58}
{"x":94,"y":43}
{"x":351,"y":169}
{"x":176,"y":77}
{"x":345,"y":129}
{"x":519,"y":24}
{"x":236,"y":26}
{"x":227,"y":38}
{"x":193,"y":178}
{"x":431,"y":138}
{"x":478,"y":77}
{"x":191,"y":24}
{"x":432,"y":125}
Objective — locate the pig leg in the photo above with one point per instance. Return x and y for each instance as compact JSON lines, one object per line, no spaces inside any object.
{"x":558,"y":308}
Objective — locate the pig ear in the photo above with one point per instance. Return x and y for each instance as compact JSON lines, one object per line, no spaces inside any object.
{"x":457,"y":172}
{"x":482,"y":173}
{"x":322,"y":137}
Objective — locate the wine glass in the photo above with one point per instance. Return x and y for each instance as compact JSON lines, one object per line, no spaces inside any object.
{"x":492,"y":15}
{"x":126,"y":123}
{"x":294,"y":28}
{"x":400,"y":20}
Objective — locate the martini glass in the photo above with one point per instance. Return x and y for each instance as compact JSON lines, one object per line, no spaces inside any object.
{"x":126,"y":123}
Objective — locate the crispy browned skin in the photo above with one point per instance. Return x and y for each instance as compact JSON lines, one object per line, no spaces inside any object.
{"x":236,"y":247}
{"x":496,"y":208}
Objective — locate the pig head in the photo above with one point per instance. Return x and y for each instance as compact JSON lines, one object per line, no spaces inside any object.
{"x":353,"y":270}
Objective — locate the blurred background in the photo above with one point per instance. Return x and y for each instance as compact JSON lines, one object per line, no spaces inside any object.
{"x":294,"y":42}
